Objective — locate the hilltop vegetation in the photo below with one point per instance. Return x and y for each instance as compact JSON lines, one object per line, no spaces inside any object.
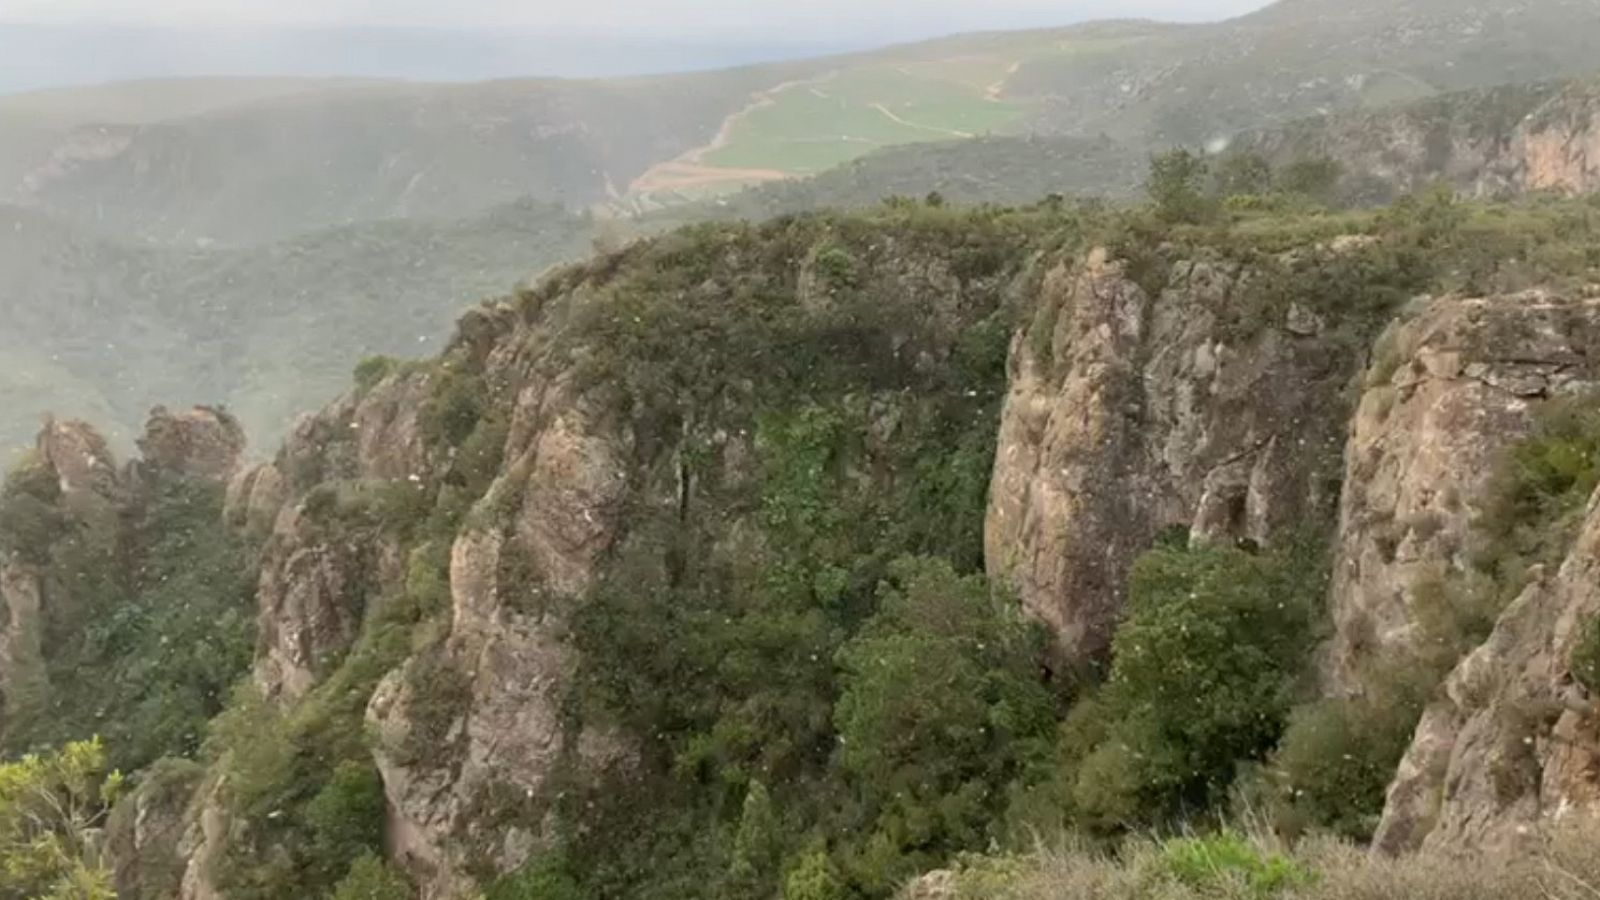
{"x":824,"y":693}
{"x":105,"y":329}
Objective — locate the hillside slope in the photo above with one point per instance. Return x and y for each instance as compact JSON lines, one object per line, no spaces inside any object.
{"x":711,"y":525}
{"x":268,"y":164}
{"x":100,"y":328}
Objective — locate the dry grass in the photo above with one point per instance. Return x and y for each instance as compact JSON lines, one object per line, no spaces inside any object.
{"x":1565,"y":867}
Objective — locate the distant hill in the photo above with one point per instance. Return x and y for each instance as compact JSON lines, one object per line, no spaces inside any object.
{"x":248,"y":162}
{"x":274,"y":167}
{"x":1001,"y":170}
{"x":95,"y":327}
{"x":247,"y":240}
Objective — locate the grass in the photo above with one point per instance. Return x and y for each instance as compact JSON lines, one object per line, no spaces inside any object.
{"x":810,"y":127}
{"x":1560,"y":865}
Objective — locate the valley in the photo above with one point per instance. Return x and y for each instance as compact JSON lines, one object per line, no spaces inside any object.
{"x":1129,"y":461}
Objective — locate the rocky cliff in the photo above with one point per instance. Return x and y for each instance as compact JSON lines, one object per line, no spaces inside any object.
{"x":697,"y":527}
{"x":1501,"y":142}
{"x":1130,"y":411}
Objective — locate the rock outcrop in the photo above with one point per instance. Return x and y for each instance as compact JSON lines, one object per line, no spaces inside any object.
{"x":1449,"y":390}
{"x":542,"y":530}
{"x":1510,"y":746}
{"x":145,"y":830}
{"x":1128,"y":414}
{"x":1502,"y":142}
{"x":1558,"y":147}
{"x":202,"y":442}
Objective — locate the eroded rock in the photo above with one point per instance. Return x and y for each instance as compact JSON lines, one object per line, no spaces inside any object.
{"x":1128,"y":414}
{"x":1448,"y":391}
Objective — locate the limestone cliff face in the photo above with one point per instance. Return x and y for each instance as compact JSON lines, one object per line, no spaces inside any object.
{"x":1449,"y":391}
{"x":1128,"y":414}
{"x":512,"y":585}
{"x":1510,"y":745}
{"x":86,"y":496}
{"x":1558,"y":149}
{"x":1502,"y":142}
{"x":1506,"y":746}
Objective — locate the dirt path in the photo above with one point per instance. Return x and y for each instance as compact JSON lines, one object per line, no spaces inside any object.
{"x":992,"y":94}
{"x":669,"y":175}
{"x":678,"y":176}
{"x":950,"y":132}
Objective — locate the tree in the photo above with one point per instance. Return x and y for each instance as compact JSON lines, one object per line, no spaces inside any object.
{"x":51,"y":811}
{"x":756,"y":846}
{"x":1176,"y":185}
{"x":1202,"y":679}
{"x":1243,"y":174}
{"x":941,"y":707}
{"x":1316,"y":179}
{"x":370,"y":878}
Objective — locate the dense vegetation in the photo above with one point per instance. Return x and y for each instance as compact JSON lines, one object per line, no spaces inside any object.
{"x":149,"y":617}
{"x":269,"y":331}
{"x":827,"y":694}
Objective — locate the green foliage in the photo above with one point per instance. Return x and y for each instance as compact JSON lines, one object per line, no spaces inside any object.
{"x":1176,"y":186}
{"x":371,"y":878}
{"x":547,"y":877}
{"x":1226,"y":863}
{"x":346,"y":816}
{"x":1204,"y":673}
{"x":1242,"y":174}
{"x":1315,"y":179}
{"x":814,"y":877}
{"x":51,"y":807}
{"x":372,"y":370}
{"x":941,"y":707}
{"x":1339,"y":754}
{"x":29,"y":520}
{"x":457,"y":400}
{"x":146,"y":654}
{"x":1585,"y":658}
{"x":1538,"y":491}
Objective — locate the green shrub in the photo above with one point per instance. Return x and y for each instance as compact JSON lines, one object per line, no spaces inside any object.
{"x":148,"y":649}
{"x":371,"y":878}
{"x":1204,"y":671}
{"x":814,"y":877}
{"x":29,"y":520}
{"x":1176,"y":186}
{"x":837,"y":268}
{"x":1539,"y":490}
{"x":346,"y":817}
{"x":457,"y":400}
{"x":1227,"y":864}
{"x":1585,"y":659}
{"x":372,"y":370}
{"x":941,"y":707}
{"x":547,"y":877}
{"x":1338,"y":755}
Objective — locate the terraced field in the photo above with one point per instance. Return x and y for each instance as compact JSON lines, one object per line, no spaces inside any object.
{"x":812,"y":126}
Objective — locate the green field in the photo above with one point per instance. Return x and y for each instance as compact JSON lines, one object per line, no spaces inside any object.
{"x":810,"y":127}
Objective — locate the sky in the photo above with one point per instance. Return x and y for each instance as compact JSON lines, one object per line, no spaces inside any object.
{"x":798,"y":19}
{"x":55,"y":43}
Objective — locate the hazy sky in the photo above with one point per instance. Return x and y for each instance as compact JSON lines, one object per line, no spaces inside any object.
{"x":808,"y":19}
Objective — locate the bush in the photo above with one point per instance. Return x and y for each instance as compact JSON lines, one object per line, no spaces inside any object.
{"x":346,"y":817}
{"x":153,"y":640}
{"x":371,"y":878}
{"x":545,"y":878}
{"x":1585,"y":658}
{"x":1204,"y":671}
{"x":1227,"y":863}
{"x":814,"y":877}
{"x":1176,"y":186}
{"x":372,"y":370}
{"x":941,"y":707}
